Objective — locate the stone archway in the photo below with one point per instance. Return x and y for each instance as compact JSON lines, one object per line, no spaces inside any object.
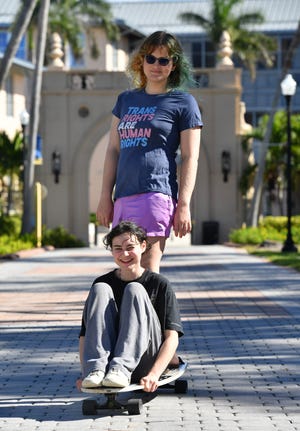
{"x":74,"y":118}
{"x":80,"y":183}
{"x":96,"y":172}
{"x":76,"y":115}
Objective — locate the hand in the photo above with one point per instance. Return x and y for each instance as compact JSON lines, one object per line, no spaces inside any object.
{"x":79,"y":384}
{"x":104,"y":213}
{"x":182,"y":223}
{"x":149,"y":382}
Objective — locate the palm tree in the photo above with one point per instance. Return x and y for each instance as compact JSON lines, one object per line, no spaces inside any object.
{"x":67,"y":23}
{"x":71,"y":18}
{"x":248,"y":46}
{"x":68,"y":17}
{"x":11,"y":159}
{"x":34,"y":117}
{"x":19,"y":28}
{"x":275,"y":161}
{"x":258,"y":181}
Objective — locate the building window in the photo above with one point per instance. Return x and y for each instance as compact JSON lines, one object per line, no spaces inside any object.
{"x":285,"y":44}
{"x":21,"y":53}
{"x":115,"y":62}
{"x":210,"y":54}
{"x":203,"y":54}
{"x":4,"y":39}
{"x":197,"y":54}
{"x":77,"y":62}
{"x":296,"y":60}
{"x":9,"y":96}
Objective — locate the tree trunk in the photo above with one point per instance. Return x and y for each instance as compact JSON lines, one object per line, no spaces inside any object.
{"x":258,"y":181}
{"x":9,"y":193}
{"x":19,"y":28}
{"x":27,"y":219}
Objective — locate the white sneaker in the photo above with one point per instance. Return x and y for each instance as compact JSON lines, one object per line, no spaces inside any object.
{"x":93,"y":380}
{"x":116,"y":379}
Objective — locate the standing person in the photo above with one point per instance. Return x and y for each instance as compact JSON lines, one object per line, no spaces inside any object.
{"x":149,"y":125}
{"x":131,"y":322}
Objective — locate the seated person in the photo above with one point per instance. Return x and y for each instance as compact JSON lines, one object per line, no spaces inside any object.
{"x":131,"y":322}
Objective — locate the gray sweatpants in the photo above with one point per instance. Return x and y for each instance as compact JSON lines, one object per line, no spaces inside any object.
{"x":128,"y":339}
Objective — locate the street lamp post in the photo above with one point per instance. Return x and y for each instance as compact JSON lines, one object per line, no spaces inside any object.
{"x":288,"y":89}
{"x":24,"y":120}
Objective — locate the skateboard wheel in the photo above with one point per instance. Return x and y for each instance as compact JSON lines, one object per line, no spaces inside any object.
{"x":135,"y":407}
{"x":89,"y":407}
{"x":181,"y":386}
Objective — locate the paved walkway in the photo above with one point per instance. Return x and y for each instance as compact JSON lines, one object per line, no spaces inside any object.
{"x":241,"y":318}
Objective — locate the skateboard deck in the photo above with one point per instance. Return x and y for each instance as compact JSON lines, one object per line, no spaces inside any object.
{"x":133,"y":406}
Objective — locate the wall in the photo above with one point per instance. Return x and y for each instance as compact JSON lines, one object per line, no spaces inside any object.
{"x":11,"y":123}
{"x":215,"y":200}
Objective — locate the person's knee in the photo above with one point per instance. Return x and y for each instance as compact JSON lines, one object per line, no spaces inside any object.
{"x":135,"y":289}
{"x":101,"y":290}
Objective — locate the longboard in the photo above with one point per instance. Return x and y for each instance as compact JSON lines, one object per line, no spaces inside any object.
{"x":133,"y":406}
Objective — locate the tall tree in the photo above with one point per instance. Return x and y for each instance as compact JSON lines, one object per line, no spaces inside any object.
{"x":68,"y":17}
{"x":258,"y":181}
{"x":71,"y":18}
{"x":275,"y":159}
{"x":248,"y":46}
{"x":11,"y":159}
{"x":34,"y":117}
{"x":19,"y":28}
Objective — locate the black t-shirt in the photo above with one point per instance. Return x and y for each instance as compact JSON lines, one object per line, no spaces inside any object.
{"x":160,"y":292}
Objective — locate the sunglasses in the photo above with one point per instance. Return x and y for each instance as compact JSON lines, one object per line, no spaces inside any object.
{"x":162,"y":61}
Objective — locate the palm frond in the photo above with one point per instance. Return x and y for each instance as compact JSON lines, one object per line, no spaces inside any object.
{"x":248,"y":46}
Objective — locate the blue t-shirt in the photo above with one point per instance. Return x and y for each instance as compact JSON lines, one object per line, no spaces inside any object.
{"x":149,"y":131}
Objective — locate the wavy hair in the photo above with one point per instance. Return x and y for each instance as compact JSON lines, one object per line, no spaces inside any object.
{"x":126,"y":227}
{"x":179,"y":77}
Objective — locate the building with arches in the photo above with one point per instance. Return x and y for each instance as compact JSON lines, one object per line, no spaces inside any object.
{"x":78,"y":97}
{"x":76,"y":120}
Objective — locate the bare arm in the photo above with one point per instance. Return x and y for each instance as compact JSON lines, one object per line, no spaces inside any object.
{"x":105,"y":206}
{"x":164,"y":357}
{"x":190,"y":147}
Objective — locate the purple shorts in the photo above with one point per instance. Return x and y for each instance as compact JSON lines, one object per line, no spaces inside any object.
{"x":152,"y":211}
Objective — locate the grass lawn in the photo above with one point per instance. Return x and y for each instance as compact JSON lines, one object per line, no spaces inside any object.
{"x":277,"y":257}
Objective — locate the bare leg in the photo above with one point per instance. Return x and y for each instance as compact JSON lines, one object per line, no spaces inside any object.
{"x":151,"y":258}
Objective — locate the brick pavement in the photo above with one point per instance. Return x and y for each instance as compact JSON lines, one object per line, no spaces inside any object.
{"x":241,"y":319}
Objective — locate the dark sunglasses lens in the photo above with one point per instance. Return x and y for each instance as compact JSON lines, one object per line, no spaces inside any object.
{"x":150,"y":59}
{"x":161,"y":61}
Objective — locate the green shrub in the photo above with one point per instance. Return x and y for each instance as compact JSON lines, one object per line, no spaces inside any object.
{"x":10,"y":225}
{"x":60,"y":238}
{"x":269,"y":229}
{"x":11,"y":244}
{"x":248,"y":235}
{"x":279,"y":223}
{"x":93,"y":218}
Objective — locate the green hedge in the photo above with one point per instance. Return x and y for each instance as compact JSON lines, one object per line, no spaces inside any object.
{"x":60,"y":238}
{"x":11,"y":244}
{"x":10,"y":225}
{"x":269,"y":229}
{"x":11,"y":241}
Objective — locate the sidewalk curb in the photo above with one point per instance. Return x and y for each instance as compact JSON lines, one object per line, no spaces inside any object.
{"x":23,"y":254}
